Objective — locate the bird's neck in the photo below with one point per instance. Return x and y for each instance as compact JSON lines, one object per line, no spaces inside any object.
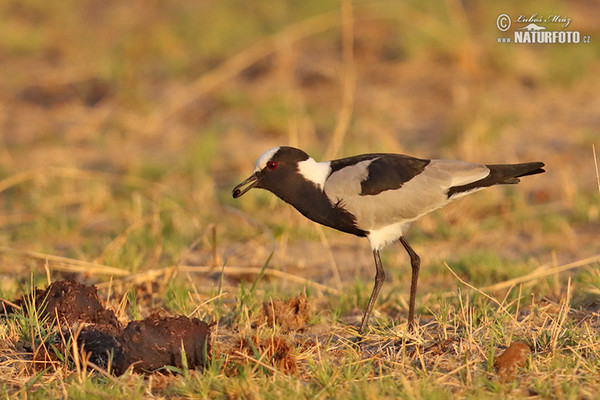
{"x":308,"y":198}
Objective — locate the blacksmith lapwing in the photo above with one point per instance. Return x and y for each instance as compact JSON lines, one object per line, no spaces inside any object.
{"x":374,"y":195}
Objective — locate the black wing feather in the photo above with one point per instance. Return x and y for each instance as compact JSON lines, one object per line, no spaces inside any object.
{"x":386,"y":171}
{"x":390,"y":172}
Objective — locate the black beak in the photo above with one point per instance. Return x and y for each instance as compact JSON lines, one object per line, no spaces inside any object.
{"x":248,"y":183}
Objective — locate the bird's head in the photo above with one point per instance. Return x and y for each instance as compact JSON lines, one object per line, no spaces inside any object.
{"x":272,"y":169}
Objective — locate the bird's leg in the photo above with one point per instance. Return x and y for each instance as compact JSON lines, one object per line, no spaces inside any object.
{"x":379,"y":278}
{"x":415,"y":262}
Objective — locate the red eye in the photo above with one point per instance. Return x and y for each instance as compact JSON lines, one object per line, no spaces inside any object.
{"x":271,"y":165}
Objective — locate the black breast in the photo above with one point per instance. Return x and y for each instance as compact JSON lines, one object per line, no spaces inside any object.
{"x":312,"y":202}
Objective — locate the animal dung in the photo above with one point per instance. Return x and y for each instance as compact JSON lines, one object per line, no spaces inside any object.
{"x":515,"y":356}
{"x":147,"y":345}
{"x":290,"y":315}
{"x":277,"y":351}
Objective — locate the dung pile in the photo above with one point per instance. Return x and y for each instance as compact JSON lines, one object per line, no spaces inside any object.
{"x":146,"y":345}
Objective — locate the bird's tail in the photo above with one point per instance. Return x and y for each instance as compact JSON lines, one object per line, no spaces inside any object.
{"x":500,"y":174}
{"x":510,"y":173}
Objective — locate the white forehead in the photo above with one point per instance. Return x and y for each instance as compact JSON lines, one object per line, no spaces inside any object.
{"x":266,"y":156}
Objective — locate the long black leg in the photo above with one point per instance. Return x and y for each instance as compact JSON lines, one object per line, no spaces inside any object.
{"x":379,"y":278}
{"x":415,"y":263}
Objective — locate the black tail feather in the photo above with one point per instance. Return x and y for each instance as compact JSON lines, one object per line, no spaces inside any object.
{"x":500,"y":174}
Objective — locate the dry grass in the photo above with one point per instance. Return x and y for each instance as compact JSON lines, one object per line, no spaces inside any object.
{"x":125,"y":126}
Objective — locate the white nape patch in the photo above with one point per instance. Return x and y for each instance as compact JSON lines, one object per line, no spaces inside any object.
{"x":261,"y":163}
{"x":379,"y":238}
{"x":316,"y":172}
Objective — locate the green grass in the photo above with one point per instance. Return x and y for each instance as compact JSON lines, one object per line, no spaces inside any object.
{"x":142,"y":182}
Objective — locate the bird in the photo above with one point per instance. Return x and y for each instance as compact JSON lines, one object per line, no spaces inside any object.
{"x":375,"y":196}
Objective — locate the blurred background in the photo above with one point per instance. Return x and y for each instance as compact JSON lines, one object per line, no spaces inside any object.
{"x":125,"y":125}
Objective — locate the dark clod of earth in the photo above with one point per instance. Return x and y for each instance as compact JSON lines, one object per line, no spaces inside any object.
{"x":147,"y":345}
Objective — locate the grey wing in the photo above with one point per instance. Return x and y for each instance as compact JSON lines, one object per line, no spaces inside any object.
{"x":403,"y":201}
